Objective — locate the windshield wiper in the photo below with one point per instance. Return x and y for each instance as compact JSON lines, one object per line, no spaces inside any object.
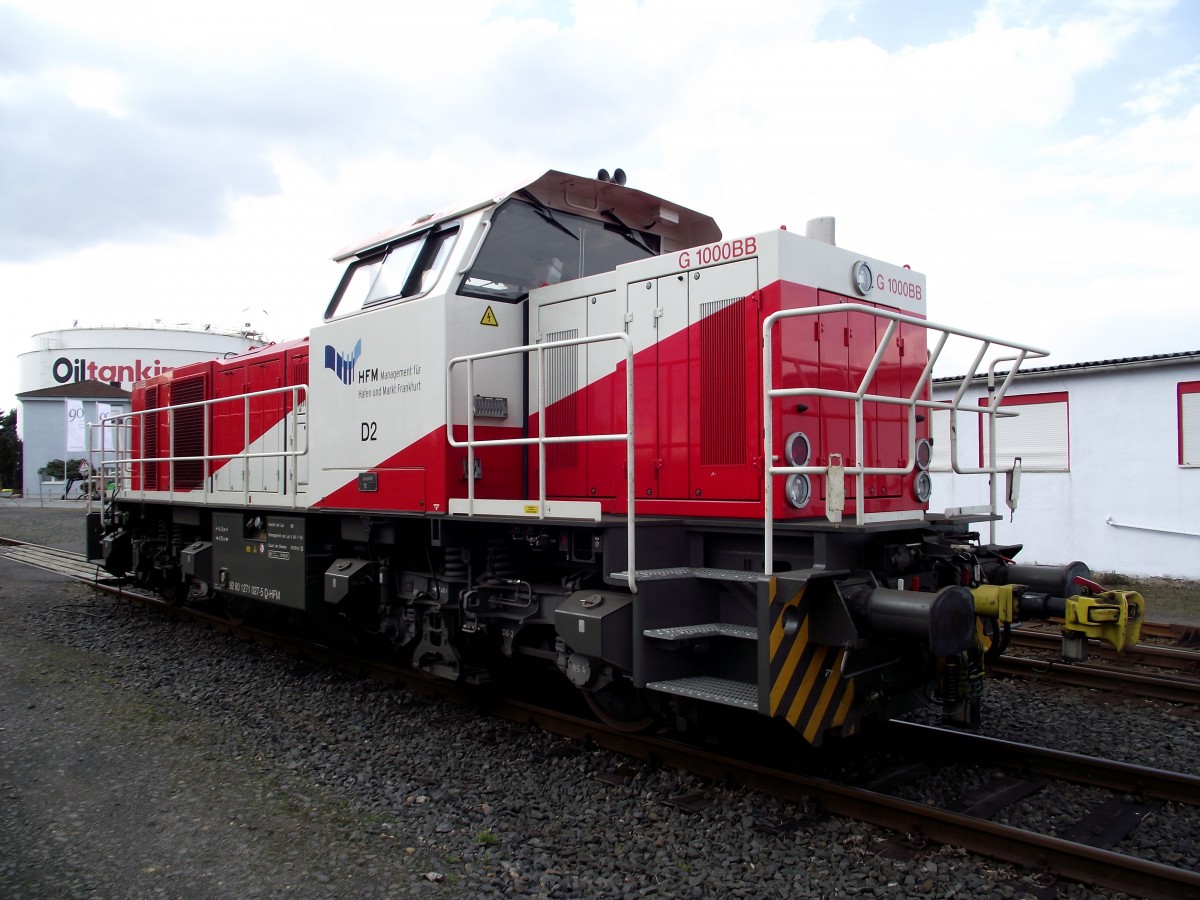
{"x":626,"y":232}
{"x":544,"y":211}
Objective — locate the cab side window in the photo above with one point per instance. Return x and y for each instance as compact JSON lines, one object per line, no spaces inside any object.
{"x":401,"y":271}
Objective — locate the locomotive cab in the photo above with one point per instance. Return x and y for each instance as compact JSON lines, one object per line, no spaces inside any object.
{"x":458,"y":282}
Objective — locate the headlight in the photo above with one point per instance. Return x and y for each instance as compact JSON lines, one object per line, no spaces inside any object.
{"x":799,"y":490}
{"x":796,"y":448}
{"x":924,"y":453}
{"x":923,"y":487}
{"x":863,"y":278}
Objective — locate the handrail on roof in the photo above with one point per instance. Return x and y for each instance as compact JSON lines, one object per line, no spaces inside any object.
{"x":861,"y":396}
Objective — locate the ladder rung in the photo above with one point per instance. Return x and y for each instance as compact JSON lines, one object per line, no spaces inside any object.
{"x":711,"y":629}
{"x":714,"y":690}
{"x":680,"y":572}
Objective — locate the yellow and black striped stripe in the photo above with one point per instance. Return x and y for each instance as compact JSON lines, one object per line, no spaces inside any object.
{"x":806,"y":688}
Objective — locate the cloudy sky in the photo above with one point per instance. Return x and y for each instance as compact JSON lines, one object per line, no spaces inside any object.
{"x":200,"y":163}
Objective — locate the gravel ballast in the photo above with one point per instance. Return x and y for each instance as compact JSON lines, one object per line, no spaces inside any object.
{"x":143,"y":757}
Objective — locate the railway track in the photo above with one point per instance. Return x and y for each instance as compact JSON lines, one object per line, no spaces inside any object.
{"x":1075,"y":858}
{"x":1155,"y":670}
{"x":52,"y":559}
{"x":1182,"y":654}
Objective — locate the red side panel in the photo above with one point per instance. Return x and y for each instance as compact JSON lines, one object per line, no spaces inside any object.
{"x":178,"y":424}
{"x":239,"y":421}
{"x":187,"y":426}
{"x":265,"y":374}
{"x":796,"y":363}
{"x":672,"y":444}
{"x":725,"y":386}
{"x":144,"y":435}
{"x":297,"y":369}
{"x":229,"y":422}
{"x":887,"y":448}
{"x":836,"y":349}
{"x":662,"y":418}
{"x":833,"y":351}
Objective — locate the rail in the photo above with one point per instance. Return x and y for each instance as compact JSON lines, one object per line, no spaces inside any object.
{"x":836,"y":472}
{"x":112,"y":456}
{"x":541,"y":440}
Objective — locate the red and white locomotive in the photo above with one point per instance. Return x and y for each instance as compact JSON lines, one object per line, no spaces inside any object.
{"x":574,"y":423}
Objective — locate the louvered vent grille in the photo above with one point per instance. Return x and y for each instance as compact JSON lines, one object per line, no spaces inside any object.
{"x":722,"y":383}
{"x":299,"y":376}
{"x":188,"y":439}
{"x":562,"y":398}
{"x":150,"y":439}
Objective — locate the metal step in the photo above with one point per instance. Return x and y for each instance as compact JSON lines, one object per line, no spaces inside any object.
{"x":711,"y":629}
{"x":690,"y":572}
{"x":712,"y":690}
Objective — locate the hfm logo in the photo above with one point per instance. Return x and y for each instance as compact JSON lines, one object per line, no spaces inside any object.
{"x":342,"y":365}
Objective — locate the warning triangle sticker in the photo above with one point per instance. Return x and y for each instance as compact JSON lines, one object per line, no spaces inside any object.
{"x":489,"y":318}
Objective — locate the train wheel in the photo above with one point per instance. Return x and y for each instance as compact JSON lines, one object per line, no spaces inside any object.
{"x":234,"y":610}
{"x":170,"y":586}
{"x":620,"y":706}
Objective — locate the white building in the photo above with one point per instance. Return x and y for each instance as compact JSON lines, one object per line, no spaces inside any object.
{"x":53,"y":426}
{"x":1110,"y":461}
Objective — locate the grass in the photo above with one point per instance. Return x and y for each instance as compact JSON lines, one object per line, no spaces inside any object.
{"x":1173,"y":600}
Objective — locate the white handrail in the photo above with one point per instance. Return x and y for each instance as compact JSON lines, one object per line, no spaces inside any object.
{"x":124,"y":458}
{"x":861,"y":397}
{"x":541,"y":440}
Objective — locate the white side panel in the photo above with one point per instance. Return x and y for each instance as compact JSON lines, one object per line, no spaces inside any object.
{"x":298,"y":442}
{"x":555,"y":509}
{"x":710,"y":290}
{"x":605,"y":315}
{"x":231,"y":476}
{"x":376,"y":383}
{"x":267,"y":473}
{"x":566,"y":367}
{"x":477,"y":326}
{"x":642,"y":306}
{"x":673,"y":301}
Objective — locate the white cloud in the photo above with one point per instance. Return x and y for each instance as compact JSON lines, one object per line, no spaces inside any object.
{"x":1159,"y":94}
{"x":164,"y":160}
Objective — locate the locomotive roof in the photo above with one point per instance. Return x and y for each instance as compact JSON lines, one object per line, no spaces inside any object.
{"x":679,"y":226}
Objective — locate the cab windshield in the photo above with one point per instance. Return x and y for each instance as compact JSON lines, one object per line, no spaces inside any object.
{"x":529,"y":246}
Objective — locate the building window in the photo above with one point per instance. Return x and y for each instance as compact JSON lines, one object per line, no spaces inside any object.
{"x":939,"y":431}
{"x":1189,"y":423}
{"x":1040,"y":434}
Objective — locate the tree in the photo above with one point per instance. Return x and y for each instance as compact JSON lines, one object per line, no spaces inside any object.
{"x":57,"y":470}
{"x":10,"y":451}
{"x":52,"y":471}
